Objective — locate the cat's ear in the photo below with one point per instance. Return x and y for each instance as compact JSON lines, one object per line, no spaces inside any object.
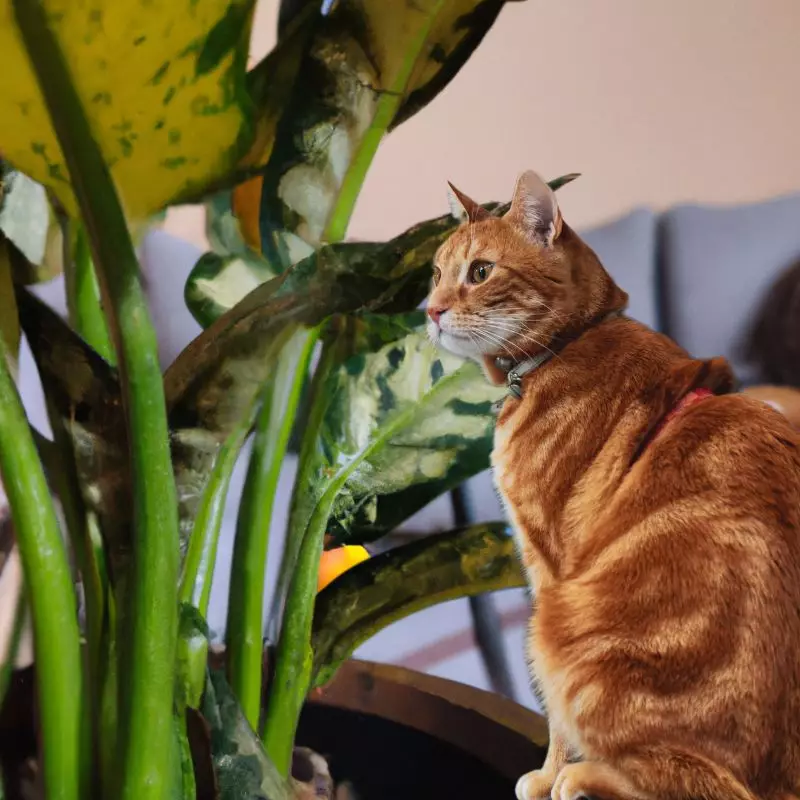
{"x":464,"y":208}
{"x":534,"y":209}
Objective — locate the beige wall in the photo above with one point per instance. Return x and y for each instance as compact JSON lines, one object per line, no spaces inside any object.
{"x":654,"y":101}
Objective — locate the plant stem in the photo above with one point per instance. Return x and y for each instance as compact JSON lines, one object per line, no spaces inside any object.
{"x":245,"y":624}
{"x":49,"y":588}
{"x":386,"y":107}
{"x":84,"y":534}
{"x":198,"y":570}
{"x":82,"y":527}
{"x":146,"y":683}
{"x":293,"y":657}
{"x":83,"y":292}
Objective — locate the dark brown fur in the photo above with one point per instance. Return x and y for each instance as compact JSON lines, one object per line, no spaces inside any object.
{"x":666,"y":634}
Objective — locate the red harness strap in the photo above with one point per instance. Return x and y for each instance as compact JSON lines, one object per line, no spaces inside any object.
{"x":687,"y":400}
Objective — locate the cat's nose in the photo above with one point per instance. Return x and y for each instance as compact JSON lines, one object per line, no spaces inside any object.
{"x":435,"y":313}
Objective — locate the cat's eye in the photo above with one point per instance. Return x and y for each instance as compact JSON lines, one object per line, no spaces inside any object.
{"x":437,"y":276}
{"x":479,"y":271}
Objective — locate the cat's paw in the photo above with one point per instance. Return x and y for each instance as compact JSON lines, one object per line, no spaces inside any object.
{"x":535,"y":785}
{"x":571,"y":784}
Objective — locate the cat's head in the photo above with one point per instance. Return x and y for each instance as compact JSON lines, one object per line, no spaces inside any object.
{"x":516,"y":285}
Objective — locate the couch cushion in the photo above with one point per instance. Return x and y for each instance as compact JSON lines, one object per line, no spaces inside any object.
{"x":717,"y":265}
{"x":627,"y":249}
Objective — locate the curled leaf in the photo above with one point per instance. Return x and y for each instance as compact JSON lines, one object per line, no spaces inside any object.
{"x":405,"y":580}
{"x":393,"y":275}
{"x":365,"y":61}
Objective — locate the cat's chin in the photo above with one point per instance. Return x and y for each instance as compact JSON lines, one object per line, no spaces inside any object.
{"x":462,"y":346}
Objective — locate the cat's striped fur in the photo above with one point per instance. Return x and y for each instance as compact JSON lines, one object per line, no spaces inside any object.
{"x":666,"y":633}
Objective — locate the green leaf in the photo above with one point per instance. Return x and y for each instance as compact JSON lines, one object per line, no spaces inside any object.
{"x":227,"y":363}
{"x":243,"y":769}
{"x":382,"y":414}
{"x":400,"y":582}
{"x":407,"y":422}
{"x":164,"y":86}
{"x":392,"y":275}
{"x":364,"y":60}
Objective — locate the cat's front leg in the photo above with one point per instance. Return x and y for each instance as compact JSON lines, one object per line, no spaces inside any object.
{"x":538,"y":785}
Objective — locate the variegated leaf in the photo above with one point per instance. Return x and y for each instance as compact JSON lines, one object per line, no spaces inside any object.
{"x":394,"y":274}
{"x":363,"y":61}
{"x":242,"y":768}
{"x":405,"y":422}
{"x":407,"y":579}
{"x":163,"y":84}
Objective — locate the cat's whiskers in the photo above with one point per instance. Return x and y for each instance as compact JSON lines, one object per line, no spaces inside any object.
{"x":503,"y":342}
{"x":524,"y":335}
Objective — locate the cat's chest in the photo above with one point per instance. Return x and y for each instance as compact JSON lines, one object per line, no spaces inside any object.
{"x":518,"y":471}
{"x":515,"y":456}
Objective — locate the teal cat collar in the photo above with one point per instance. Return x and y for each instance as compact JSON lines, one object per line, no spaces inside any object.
{"x":516,"y":372}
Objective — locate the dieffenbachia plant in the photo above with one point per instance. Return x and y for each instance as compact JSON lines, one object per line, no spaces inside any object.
{"x":109,"y":113}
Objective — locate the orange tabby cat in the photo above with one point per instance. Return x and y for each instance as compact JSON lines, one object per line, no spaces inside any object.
{"x":658,"y":518}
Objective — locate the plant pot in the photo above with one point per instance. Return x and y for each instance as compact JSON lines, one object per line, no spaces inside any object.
{"x":394,"y":733}
{"x":388,"y":731}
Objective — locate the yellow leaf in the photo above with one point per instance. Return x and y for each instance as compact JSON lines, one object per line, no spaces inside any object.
{"x":162,"y":82}
{"x":245,"y":204}
{"x":337,"y":561}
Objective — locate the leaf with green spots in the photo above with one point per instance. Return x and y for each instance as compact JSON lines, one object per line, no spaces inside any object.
{"x":407,"y":579}
{"x":404,"y":423}
{"x":217,"y":283}
{"x":243,"y":770}
{"x":451,"y":43}
{"x":365,"y":61}
{"x":163,"y":86}
{"x":393,"y":275}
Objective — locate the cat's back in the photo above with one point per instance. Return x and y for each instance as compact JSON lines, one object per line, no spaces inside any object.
{"x":733,"y":451}
{"x":684,"y":596}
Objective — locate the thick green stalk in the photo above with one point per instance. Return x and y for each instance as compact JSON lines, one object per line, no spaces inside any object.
{"x":83,"y":292}
{"x":198,"y":570}
{"x":49,"y":588}
{"x":84,"y":534}
{"x":245,"y":624}
{"x":146,"y":685}
{"x":388,"y":103}
{"x":293,"y":657}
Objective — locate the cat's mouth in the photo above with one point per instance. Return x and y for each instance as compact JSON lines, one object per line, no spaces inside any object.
{"x":457,"y":341}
